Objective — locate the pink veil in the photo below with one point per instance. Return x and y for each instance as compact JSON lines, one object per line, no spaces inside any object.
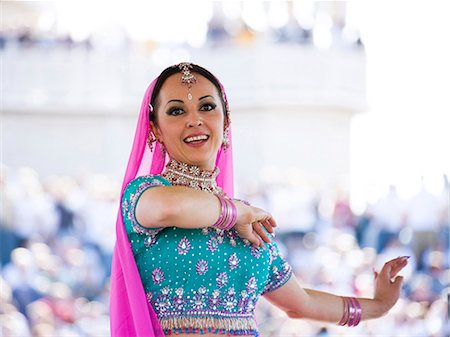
{"x":130,"y":312}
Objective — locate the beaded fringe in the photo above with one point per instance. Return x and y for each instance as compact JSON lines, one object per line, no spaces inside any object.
{"x":233,"y":326}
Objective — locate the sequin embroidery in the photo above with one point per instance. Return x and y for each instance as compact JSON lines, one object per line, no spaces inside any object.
{"x":184,"y":246}
{"x":157,"y":276}
{"x":201,"y":267}
{"x":222,"y":279}
{"x":233,"y":261}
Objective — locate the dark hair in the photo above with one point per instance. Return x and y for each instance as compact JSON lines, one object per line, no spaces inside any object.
{"x":169,"y":71}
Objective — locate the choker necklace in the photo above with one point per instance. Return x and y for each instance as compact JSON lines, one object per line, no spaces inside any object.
{"x":192,"y":176}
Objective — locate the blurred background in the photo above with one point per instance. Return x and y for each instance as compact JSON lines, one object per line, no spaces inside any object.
{"x":341,"y":122}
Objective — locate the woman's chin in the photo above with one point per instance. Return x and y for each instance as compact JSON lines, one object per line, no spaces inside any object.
{"x":203,"y":158}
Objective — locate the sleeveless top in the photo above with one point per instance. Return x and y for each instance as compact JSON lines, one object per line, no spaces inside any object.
{"x":200,"y":280}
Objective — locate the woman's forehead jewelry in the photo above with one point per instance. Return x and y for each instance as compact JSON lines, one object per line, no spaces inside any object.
{"x":187,"y":78}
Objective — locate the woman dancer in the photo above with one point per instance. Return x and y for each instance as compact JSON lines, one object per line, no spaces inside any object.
{"x":189,"y":258}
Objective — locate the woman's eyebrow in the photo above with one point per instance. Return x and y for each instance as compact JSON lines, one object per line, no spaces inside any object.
{"x":203,"y":97}
{"x":175,"y":100}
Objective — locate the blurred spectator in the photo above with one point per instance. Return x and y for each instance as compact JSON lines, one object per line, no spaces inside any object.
{"x":8,"y":237}
{"x":423,"y":219}
{"x":364,"y":224}
{"x":2,"y":40}
{"x":388,"y":217}
{"x":33,"y":209}
{"x":217,"y":32}
{"x":292,"y":31}
{"x":21,"y":274}
{"x":444,"y":214}
{"x":343,"y":216}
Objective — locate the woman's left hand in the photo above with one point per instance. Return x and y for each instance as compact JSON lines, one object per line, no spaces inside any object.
{"x":388,"y":284}
{"x":264,"y":226}
{"x":251,"y":225}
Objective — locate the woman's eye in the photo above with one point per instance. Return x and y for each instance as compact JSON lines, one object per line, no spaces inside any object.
{"x":175,"y":112}
{"x":208,"y":107}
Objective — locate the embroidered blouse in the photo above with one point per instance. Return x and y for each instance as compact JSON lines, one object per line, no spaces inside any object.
{"x":200,"y":280}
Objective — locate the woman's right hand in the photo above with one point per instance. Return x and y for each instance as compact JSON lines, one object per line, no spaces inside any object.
{"x":251,"y":222}
{"x":388,"y":284}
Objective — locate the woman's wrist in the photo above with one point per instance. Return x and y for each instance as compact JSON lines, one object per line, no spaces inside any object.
{"x":359,"y":309}
{"x":372,"y":308}
{"x":244,"y":212}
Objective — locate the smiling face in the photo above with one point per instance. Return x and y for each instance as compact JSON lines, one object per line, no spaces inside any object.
{"x":191,"y":130}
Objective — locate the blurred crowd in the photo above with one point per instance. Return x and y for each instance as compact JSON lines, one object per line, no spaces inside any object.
{"x":335,"y":249}
{"x":317,"y":24}
{"x":57,"y":238}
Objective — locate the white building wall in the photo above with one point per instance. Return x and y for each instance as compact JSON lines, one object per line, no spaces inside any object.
{"x":71,"y":111}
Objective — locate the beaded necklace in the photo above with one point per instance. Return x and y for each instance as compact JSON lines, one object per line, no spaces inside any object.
{"x":192,"y":176}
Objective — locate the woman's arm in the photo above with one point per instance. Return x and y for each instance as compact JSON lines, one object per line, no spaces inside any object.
{"x":317,"y":305}
{"x":185,"y":207}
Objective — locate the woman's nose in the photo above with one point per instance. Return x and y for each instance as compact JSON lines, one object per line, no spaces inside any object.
{"x":194,"y":120}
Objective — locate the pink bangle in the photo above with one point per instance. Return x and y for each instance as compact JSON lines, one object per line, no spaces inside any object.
{"x":228,"y":214}
{"x":344,"y":318}
{"x":358,"y":311}
{"x":220,"y":220}
{"x":352,"y":312}
{"x":231,"y":215}
{"x":355,"y":312}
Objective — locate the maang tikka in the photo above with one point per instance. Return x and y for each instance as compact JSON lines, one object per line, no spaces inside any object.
{"x":187,"y":78}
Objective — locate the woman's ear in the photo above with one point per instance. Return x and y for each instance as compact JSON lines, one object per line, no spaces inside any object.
{"x":155,"y":130}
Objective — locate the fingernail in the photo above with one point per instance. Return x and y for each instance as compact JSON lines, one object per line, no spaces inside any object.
{"x":406,"y":257}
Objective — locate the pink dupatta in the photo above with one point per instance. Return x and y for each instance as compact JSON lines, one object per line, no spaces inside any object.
{"x":131,"y":314}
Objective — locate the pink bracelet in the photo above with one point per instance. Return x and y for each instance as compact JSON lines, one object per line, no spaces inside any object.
{"x":232,"y":214}
{"x":358,"y":312}
{"x":352,"y":312}
{"x":220,"y":221}
{"x":344,"y":318}
{"x":228,"y":214}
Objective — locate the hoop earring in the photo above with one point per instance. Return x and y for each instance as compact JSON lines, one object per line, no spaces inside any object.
{"x":150,"y":140}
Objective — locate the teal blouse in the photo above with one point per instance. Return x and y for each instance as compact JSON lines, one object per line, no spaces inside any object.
{"x":200,"y":280}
